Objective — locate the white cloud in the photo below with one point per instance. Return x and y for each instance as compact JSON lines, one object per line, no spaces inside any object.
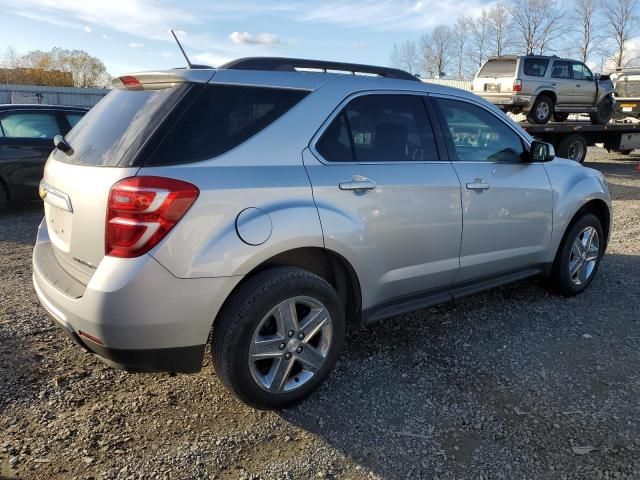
{"x":136,"y":45}
{"x":87,"y":29}
{"x":359,"y":45}
{"x":106,"y":37}
{"x":246,"y":38}
{"x":210,"y":59}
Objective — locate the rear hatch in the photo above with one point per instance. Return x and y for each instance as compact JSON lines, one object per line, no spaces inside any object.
{"x":104,"y":147}
{"x":496,"y":76}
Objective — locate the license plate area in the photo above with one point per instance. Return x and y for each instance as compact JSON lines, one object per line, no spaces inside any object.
{"x":492,"y":87}
{"x":59,"y":225}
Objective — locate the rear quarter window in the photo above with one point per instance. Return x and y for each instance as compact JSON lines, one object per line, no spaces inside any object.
{"x":221,"y":118}
{"x":535,"y":67}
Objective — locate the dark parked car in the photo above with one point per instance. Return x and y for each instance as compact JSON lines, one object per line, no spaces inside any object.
{"x":26,"y":139}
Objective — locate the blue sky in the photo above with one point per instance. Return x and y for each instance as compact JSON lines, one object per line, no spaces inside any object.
{"x":130,"y":35}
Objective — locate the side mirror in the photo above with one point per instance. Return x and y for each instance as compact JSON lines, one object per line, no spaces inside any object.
{"x":597,"y":76}
{"x":541,"y":152}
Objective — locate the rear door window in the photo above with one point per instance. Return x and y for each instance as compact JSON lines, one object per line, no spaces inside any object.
{"x":221,"y":118}
{"x":536,"y":67}
{"x":30,"y":125}
{"x":380,"y":128}
{"x":561,"y":69}
{"x":503,"y":67}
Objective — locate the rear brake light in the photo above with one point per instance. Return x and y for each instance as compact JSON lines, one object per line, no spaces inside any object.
{"x":131,"y":82}
{"x":142,"y":210}
{"x":517,"y":85}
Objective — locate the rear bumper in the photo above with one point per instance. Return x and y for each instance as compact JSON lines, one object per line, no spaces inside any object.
{"x":503,"y":100}
{"x":140,"y":316}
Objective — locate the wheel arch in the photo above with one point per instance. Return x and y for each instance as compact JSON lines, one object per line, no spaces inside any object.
{"x":548,"y":93}
{"x":325,"y":263}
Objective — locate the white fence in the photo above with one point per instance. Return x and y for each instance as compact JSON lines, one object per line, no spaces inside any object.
{"x":77,"y":97}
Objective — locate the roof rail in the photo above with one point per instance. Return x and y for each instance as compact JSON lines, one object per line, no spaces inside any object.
{"x":292,"y":64}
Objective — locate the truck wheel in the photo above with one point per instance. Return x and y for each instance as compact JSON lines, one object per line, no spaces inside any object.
{"x":573,"y":147}
{"x":541,"y":110}
{"x":278,"y":336}
{"x":578,"y":257}
{"x":560,"y":117}
{"x":603,"y":115}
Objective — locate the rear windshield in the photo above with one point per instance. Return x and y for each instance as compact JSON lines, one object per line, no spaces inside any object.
{"x":505,"y":67}
{"x":221,"y":118}
{"x":105,"y":134}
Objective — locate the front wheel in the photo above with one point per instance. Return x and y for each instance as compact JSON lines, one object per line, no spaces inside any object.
{"x":578,"y":257}
{"x":603,"y":113}
{"x":278,"y":337}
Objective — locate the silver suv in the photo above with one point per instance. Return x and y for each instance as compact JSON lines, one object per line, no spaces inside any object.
{"x":544,"y":88}
{"x":269,"y":210}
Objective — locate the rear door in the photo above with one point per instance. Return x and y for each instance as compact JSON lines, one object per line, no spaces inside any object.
{"x":386,"y":200}
{"x":584,"y":90}
{"x":562,"y":82}
{"x":506,"y":202}
{"x":26,"y":139}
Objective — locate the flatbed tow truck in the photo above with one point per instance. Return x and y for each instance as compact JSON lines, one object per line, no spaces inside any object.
{"x":571,"y":139}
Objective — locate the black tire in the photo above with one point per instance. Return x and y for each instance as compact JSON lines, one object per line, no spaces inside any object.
{"x":624,"y":152}
{"x":4,"y":198}
{"x":604,"y":113}
{"x":573,"y":147}
{"x":560,"y":279}
{"x":535,"y":115}
{"x":243,"y":313}
{"x":560,"y":117}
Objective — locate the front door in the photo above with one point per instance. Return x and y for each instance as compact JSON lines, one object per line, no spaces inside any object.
{"x":584,"y":91}
{"x":385,"y":199}
{"x":506,"y":201}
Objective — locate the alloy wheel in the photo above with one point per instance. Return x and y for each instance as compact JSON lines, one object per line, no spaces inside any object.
{"x":290,"y":344}
{"x":584,"y":256}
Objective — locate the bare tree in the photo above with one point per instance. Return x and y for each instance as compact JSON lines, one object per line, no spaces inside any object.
{"x":480,"y":29}
{"x":460,"y":41}
{"x":621,"y":24}
{"x":537,"y":24}
{"x":500,"y":28}
{"x":406,"y":56}
{"x":435,"y":49}
{"x":584,"y":19}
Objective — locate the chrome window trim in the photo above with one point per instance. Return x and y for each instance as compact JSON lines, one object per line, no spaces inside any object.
{"x":338,"y":110}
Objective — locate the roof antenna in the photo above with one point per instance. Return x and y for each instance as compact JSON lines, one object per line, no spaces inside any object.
{"x":181,"y":49}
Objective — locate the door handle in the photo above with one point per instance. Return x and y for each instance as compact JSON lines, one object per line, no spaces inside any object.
{"x":478,"y":185}
{"x":357,"y":183}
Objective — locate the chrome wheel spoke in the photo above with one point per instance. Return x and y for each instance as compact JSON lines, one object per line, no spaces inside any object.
{"x":280,"y":373}
{"x":585,"y":252}
{"x":311,"y":358}
{"x":574,"y":268}
{"x":266,"y":348}
{"x":313,"y":322}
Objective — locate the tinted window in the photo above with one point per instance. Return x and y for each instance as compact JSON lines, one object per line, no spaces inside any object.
{"x":504,"y":67}
{"x":380,"y":128}
{"x":221,"y":118}
{"x":536,"y":67}
{"x":581,"y":72}
{"x":73,"y":118}
{"x":30,"y":125}
{"x":335,"y":144}
{"x":112,"y":126}
{"x":478,"y":135}
{"x":560,"y":70}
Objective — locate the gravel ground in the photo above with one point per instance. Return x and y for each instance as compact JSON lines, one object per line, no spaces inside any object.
{"x":512,"y":383}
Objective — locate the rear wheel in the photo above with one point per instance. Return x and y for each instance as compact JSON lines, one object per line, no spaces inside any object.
{"x":604,"y":112}
{"x":560,"y":117}
{"x":573,"y":147}
{"x":278,"y":337}
{"x":578,"y":257}
{"x":541,"y":110}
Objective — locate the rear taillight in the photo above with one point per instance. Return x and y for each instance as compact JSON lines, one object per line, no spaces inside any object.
{"x":517,"y":85}
{"x":142,"y":210}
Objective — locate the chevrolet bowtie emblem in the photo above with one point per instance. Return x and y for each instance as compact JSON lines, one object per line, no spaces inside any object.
{"x":42,"y":191}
